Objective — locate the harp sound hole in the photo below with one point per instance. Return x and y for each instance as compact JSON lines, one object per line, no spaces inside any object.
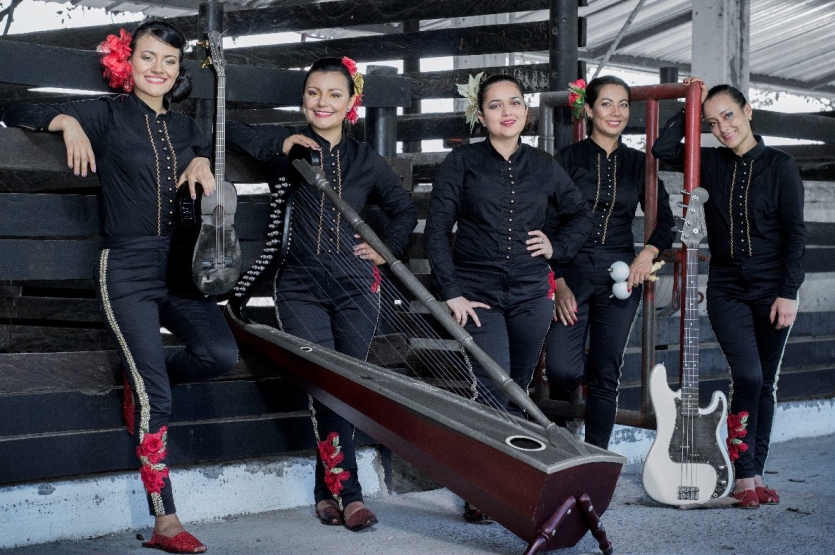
{"x":524,"y":443}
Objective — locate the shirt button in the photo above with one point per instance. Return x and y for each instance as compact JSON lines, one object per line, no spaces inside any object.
{"x":170,"y":201}
{"x":512,"y":201}
{"x":171,"y":212}
{"x":165,"y":148}
{"x":167,"y":167}
{"x":168,"y":158}
{"x":508,"y":248}
{"x":169,"y":178}
{"x":170,"y":188}
{"x":509,"y":238}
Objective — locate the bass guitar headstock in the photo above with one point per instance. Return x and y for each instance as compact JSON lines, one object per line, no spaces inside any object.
{"x":693,"y":223}
{"x":214,"y":46}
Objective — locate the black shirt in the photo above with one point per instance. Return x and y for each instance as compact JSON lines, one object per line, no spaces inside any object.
{"x":139,"y":156}
{"x":496,"y":202}
{"x":613,"y":186}
{"x":354,"y":169}
{"x":754,"y":214}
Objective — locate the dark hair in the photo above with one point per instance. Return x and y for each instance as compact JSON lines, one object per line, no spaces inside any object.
{"x":492,"y":80}
{"x":593,"y":89}
{"x":733,"y":92}
{"x":170,"y":35}
{"x":327,"y":65}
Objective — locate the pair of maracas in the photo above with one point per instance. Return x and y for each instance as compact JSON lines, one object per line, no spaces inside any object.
{"x":619,"y":271}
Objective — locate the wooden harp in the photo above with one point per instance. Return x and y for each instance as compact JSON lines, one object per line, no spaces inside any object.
{"x":532,"y":477}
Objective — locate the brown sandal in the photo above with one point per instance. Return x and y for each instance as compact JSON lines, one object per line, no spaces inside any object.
{"x":360,"y":520}
{"x":330,"y":515}
{"x":475,"y":516}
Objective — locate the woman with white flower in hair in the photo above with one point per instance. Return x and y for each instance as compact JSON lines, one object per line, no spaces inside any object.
{"x":508,"y":199}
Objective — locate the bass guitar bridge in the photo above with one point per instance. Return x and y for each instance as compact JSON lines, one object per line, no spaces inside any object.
{"x":688,"y":493}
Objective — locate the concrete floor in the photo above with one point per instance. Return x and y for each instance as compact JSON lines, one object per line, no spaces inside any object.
{"x":801,"y":470}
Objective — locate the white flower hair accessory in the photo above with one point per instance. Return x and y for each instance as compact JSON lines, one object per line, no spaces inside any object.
{"x":470,"y":92}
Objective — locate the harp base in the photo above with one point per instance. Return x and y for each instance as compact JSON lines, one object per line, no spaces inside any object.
{"x":551,"y":526}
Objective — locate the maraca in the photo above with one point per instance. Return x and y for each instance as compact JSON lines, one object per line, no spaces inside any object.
{"x":620,"y":273}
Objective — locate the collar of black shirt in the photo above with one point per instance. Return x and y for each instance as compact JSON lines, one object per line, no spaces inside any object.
{"x":140,"y":104}
{"x":494,"y":152}
{"x":324,"y":143}
{"x":597,"y":149}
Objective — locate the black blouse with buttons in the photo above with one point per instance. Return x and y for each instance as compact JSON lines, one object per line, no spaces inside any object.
{"x":139,"y":156}
{"x":356,"y":172}
{"x":496,"y":202}
{"x":754,"y":215}
{"x":613,"y":186}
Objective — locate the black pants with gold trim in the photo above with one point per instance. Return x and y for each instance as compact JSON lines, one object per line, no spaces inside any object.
{"x":136,"y":303}
{"x":331,"y":304}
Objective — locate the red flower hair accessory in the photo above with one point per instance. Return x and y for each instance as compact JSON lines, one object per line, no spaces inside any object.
{"x":577,"y":97}
{"x":352,"y":115}
{"x":115,"y":58}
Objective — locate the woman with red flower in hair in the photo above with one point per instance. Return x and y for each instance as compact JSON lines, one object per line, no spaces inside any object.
{"x":610,"y":175}
{"x":142,"y":151}
{"x":327,"y":290}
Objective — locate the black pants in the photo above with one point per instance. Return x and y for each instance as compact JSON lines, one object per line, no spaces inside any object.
{"x":512,"y":330}
{"x":607,"y":322}
{"x":739,"y":313}
{"x":136,"y":303}
{"x":331,"y":304}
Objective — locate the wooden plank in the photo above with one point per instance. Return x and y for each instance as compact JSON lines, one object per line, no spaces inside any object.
{"x":21,"y":215}
{"x":488,"y":39}
{"x":28,"y":458}
{"x":44,"y":259}
{"x":282,"y":16}
{"x":48,"y":310}
{"x":48,"y":66}
{"x":443,"y":84}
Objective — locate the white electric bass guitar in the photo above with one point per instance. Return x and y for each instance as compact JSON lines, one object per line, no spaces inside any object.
{"x":688,"y":462}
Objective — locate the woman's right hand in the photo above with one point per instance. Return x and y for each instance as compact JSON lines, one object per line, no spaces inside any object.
{"x":80,"y":154}
{"x":298,"y":139}
{"x":565,"y":305}
{"x":462,"y":309}
{"x":701,"y":82}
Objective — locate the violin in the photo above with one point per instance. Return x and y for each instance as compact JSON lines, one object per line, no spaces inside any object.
{"x":216,"y":261}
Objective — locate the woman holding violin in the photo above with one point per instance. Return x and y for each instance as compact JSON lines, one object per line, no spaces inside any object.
{"x":142,"y":151}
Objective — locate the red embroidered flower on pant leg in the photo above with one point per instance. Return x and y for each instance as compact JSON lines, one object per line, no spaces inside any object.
{"x":151,"y":452}
{"x":737,"y":429}
{"x":331,"y":454}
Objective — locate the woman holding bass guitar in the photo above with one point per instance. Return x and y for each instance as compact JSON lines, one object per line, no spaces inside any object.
{"x":327,"y":290}
{"x":141,"y":151}
{"x":756,"y":235}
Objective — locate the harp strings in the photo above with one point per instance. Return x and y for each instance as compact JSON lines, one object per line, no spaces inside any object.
{"x":448,"y":366}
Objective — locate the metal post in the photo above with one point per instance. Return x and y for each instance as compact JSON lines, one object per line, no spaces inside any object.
{"x":562,"y":59}
{"x":209,"y":18}
{"x":381,"y":123}
{"x":412,"y":65}
{"x":648,"y":323}
{"x":668,"y":74}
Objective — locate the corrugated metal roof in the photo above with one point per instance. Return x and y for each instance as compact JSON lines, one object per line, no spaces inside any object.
{"x":792,"y":42}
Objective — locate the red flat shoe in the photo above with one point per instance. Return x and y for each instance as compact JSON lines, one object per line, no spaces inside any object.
{"x":181,"y":543}
{"x":128,"y":406}
{"x":475,"y":516}
{"x":360,"y":520}
{"x":766,"y":495}
{"x":330,"y":516}
{"x":747,"y":499}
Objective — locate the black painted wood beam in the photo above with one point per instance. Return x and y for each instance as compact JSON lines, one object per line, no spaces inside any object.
{"x":284,"y":16}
